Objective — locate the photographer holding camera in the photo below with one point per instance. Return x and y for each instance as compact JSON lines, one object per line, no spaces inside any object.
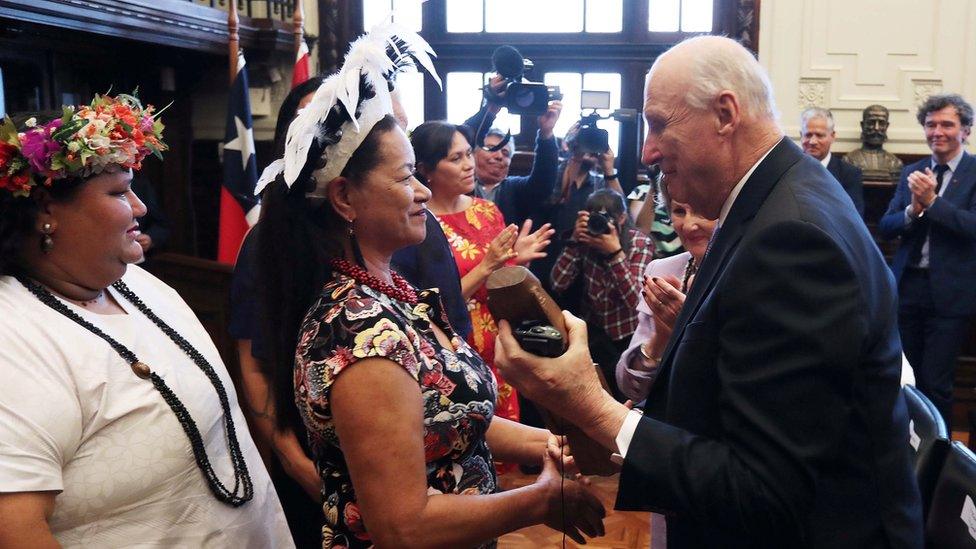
{"x":580,"y":175}
{"x":610,"y":255}
{"x":518,"y":197}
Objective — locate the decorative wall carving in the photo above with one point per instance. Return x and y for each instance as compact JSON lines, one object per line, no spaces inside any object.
{"x":925,"y":88}
{"x":813,"y":93}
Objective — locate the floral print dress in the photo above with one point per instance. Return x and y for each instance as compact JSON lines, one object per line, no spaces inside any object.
{"x":349,"y":322}
{"x":469,"y":233}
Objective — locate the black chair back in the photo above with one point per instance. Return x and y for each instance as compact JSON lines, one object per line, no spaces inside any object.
{"x":928,"y":438}
{"x":951,"y":522}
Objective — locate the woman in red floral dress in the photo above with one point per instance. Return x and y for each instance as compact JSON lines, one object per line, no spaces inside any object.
{"x":476,"y":230}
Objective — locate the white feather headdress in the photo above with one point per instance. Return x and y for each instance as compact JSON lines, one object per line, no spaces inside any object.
{"x":347,"y":105}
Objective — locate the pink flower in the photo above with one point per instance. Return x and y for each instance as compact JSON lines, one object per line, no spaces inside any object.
{"x":38,"y":147}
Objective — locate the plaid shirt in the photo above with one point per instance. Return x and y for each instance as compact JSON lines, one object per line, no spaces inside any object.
{"x":612,"y":289}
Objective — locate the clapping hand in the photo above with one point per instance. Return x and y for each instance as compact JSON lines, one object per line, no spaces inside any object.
{"x":500,"y":250}
{"x":529,"y":246}
{"x":922,"y":185}
{"x":664,"y":298}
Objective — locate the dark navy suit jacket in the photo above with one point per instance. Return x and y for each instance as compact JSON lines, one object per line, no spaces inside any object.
{"x":850,"y":178}
{"x":777,"y":419}
{"x":952,"y":236}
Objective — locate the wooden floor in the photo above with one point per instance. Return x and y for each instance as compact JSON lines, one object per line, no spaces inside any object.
{"x":624,"y":530}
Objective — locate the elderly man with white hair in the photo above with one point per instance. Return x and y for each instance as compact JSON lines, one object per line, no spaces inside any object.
{"x":776,"y":418}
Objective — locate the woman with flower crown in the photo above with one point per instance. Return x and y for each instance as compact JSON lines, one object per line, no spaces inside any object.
{"x":399,"y":410}
{"x":119,"y":425}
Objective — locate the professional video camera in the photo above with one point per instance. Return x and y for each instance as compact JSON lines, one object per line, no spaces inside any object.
{"x":590,"y":138}
{"x":519,"y":96}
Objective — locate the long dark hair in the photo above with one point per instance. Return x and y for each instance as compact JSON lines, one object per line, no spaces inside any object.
{"x":431,"y":141}
{"x":298,"y":238}
{"x":18,"y":214}
{"x":612,"y":202}
{"x":288,"y":110}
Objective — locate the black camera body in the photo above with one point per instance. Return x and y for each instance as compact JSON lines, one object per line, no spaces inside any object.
{"x":590,"y":138}
{"x":539,"y":338}
{"x":598,"y":223}
{"x":529,"y":97}
{"x":520,"y":96}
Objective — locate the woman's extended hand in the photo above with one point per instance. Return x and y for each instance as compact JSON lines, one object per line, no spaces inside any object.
{"x":500,"y":250}
{"x":664,"y":300}
{"x":571,"y":507}
{"x":531,"y":246}
{"x":558,"y":449}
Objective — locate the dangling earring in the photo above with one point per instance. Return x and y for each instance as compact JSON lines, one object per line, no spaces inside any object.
{"x":47,"y":243}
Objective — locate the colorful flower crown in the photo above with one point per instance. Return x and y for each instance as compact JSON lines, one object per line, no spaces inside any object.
{"x":112,"y":131}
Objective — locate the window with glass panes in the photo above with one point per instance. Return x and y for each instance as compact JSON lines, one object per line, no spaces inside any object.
{"x":605,"y":45}
{"x":404,"y":12}
{"x":571,"y":84}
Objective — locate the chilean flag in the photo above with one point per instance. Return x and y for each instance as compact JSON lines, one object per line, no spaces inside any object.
{"x":239,"y":209}
{"x":301,"y":71}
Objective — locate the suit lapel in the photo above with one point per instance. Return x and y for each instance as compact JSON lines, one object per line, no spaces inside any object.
{"x":962,"y":178}
{"x":784,"y":155}
{"x":834,"y":167}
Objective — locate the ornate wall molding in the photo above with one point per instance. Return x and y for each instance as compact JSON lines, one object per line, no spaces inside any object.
{"x":924,"y":88}
{"x":813,"y":93}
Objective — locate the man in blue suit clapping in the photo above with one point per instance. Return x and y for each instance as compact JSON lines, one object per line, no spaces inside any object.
{"x":934,"y":213}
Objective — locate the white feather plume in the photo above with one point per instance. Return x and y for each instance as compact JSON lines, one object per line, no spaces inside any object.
{"x":368,"y":59}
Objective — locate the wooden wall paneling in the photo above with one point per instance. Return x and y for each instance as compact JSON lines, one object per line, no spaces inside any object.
{"x":163,"y":22}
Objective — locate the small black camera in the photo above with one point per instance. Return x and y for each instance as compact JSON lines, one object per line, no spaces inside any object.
{"x":539,"y":338}
{"x":598,"y":223}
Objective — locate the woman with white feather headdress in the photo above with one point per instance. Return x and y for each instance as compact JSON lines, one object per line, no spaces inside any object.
{"x":405,"y":437}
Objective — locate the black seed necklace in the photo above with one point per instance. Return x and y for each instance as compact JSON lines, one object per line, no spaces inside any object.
{"x":242,"y":480}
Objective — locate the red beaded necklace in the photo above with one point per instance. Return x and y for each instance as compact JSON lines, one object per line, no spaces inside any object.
{"x":401,"y":290}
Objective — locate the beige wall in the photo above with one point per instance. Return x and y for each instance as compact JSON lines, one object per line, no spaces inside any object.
{"x":847,"y":54}
{"x":210,"y":105}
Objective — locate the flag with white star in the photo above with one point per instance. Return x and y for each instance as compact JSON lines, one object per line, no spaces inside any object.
{"x":239,"y":208}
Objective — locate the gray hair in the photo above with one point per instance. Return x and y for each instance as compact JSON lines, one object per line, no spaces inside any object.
{"x":817,"y":112}
{"x":730,"y":68}
{"x":940,"y":101}
{"x":501,"y":135}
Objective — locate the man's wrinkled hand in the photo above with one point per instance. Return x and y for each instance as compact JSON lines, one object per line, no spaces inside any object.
{"x":562,"y":383}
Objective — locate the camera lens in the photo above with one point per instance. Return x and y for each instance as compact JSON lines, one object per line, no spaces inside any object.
{"x":598,"y":223}
{"x":524,"y":98}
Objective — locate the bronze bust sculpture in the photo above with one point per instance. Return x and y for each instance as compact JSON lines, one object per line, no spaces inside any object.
{"x":876,"y":163}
